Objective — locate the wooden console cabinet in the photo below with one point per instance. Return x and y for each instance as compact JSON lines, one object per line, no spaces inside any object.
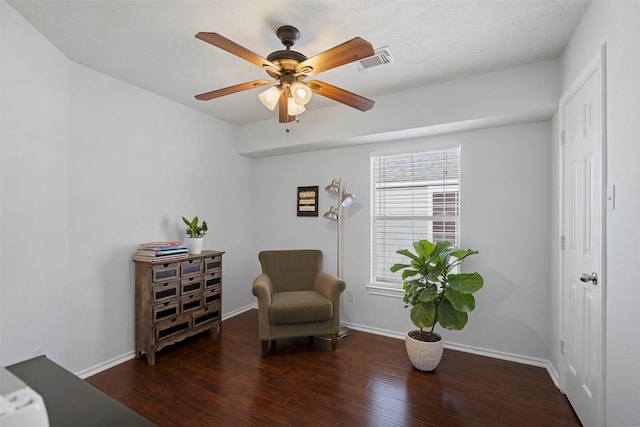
{"x":177,"y":299}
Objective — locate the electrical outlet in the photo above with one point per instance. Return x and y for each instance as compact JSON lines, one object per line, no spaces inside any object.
{"x":350,"y":296}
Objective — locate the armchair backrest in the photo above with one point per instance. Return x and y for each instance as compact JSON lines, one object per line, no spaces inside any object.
{"x":291,"y":270}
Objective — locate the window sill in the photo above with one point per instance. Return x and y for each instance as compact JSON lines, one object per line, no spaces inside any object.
{"x":385,"y":290}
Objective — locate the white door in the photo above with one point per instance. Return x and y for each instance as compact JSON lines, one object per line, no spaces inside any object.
{"x":583,"y":229}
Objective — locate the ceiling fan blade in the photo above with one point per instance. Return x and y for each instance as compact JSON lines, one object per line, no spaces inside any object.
{"x":283,"y":110}
{"x":344,"y":96}
{"x":349,"y":51}
{"x":234,"y":48}
{"x":231,"y":89}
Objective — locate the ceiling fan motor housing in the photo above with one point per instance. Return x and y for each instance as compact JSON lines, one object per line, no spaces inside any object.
{"x":288,"y":35}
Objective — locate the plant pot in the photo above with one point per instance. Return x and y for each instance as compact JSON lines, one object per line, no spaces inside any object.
{"x":425,"y":356}
{"x":195,"y":244}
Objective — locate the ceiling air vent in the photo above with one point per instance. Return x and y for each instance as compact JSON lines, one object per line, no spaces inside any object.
{"x":382,"y":56}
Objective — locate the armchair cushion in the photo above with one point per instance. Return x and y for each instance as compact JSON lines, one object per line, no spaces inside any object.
{"x":299,"y":307}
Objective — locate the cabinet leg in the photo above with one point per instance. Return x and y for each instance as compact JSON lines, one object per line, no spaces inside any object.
{"x":151,"y":359}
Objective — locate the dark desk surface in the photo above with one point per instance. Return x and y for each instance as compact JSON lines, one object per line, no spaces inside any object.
{"x":71,"y":401}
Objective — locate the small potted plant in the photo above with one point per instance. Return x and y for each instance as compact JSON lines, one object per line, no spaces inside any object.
{"x":435,"y":295}
{"x":195,"y":233}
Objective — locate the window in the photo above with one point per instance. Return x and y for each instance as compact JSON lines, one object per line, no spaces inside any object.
{"x":414,"y":196}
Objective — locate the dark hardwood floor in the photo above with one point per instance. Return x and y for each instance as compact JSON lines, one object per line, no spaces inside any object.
{"x":367,"y":381}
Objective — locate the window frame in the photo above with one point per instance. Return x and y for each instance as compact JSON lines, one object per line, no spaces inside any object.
{"x":395,"y":289}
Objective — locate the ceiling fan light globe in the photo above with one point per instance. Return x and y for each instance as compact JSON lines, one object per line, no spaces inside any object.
{"x":293,"y":108}
{"x":301,"y":93}
{"x":270,"y":97}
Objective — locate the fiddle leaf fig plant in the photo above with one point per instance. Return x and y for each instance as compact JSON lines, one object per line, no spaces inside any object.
{"x":434,"y":293}
{"x":195,"y":229}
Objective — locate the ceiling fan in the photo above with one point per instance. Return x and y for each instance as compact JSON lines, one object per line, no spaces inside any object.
{"x":289,"y":69}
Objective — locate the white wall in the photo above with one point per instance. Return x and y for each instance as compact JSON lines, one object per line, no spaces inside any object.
{"x":616,"y":24}
{"x":34,"y":189}
{"x":517,"y":95}
{"x":90,"y":168}
{"x":505,"y":215}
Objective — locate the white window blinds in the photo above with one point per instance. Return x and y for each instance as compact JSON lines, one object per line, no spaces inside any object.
{"x":415,"y":196}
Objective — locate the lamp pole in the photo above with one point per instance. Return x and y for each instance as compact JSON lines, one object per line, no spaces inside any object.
{"x":344,"y":199}
{"x":339,"y":228}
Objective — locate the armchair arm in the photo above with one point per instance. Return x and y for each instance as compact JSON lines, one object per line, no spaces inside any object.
{"x":262,"y":289}
{"x":330,"y":286}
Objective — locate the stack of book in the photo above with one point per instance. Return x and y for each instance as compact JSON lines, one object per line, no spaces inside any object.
{"x":161,"y":251}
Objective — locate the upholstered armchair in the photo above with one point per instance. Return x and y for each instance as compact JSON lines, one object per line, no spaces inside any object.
{"x":295,"y":298}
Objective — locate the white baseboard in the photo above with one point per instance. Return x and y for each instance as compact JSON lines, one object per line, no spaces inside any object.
{"x":238,"y":311}
{"x":554,"y":375}
{"x":86,"y":373}
{"x":518,"y":358}
{"x":106,"y":365}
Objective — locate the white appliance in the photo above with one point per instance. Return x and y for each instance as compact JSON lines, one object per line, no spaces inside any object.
{"x":20,"y":406}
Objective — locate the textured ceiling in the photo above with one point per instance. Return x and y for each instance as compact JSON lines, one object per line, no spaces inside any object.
{"x":151,"y":44}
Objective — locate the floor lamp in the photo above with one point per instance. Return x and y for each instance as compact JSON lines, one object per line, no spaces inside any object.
{"x":344,"y":199}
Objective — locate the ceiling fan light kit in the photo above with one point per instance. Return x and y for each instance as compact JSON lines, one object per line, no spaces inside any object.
{"x":289,"y":69}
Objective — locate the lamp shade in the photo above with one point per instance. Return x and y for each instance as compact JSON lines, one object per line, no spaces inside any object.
{"x":331,"y":214}
{"x":270,"y":97}
{"x":301,"y":93}
{"x":333,"y":188}
{"x":348,"y":198}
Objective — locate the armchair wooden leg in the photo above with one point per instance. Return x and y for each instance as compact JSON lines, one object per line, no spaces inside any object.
{"x":265,"y":349}
{"x":334,"y":341}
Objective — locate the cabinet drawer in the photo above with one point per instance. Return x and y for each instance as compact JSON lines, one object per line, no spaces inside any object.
{"x":164,"y":291}
{"x":212,"y":279}
{"x":165,"y":271}
{"x":190,"y":285}
{"x":212,"y":263}
{"x":212,"y":295}
{"x":165,"y":310}
{"x":191,"y":267}
{"x":206,"y":315}
{"x":168,"y":328}
{"x":191,"y":302}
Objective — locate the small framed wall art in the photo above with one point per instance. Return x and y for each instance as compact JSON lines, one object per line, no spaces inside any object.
{"x":307,"y":201}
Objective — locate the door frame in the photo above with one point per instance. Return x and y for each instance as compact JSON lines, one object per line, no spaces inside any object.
{"x":598,"y":62}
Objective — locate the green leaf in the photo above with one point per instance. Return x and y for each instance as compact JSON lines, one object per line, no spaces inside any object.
{"x":449,"y":317}
{"x":407,"y":253}
{"x":434,"y":273}
{"x":424,"y":248}
{"x":466,"y":283}
{"x":396,"y":267}
{"x":408,"y":273}
{"x":463,"y":253}
{"x":423,"y":314}
{"x":428,"y":293}
{"x":460,"y":301}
